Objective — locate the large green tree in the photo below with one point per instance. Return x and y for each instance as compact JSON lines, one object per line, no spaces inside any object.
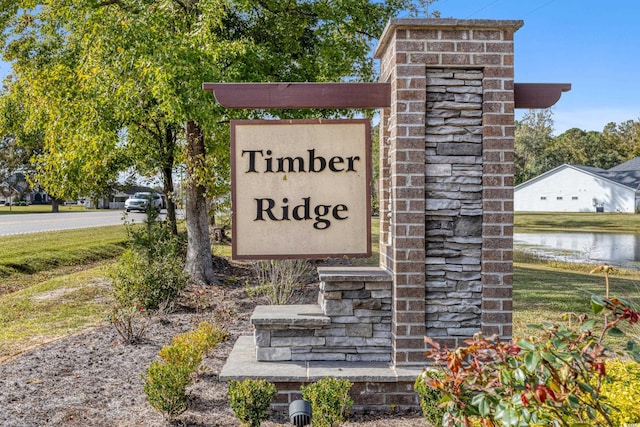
{"x":538,"y":150}
{"x":108,"y":78}
{"x":580,"y":147}
{"x":625,"y":136}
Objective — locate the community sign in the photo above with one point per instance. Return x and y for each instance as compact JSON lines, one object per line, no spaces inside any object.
{"x":301,"y":188}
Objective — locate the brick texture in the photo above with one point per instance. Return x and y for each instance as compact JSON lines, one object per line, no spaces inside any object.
{"x":450,"y":127}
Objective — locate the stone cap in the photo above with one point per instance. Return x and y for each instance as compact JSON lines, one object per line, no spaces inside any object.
{"x":242,"y":364}
{"x":347,"y":274}
{"x":439,"y":23}
{"x":300,"y":315}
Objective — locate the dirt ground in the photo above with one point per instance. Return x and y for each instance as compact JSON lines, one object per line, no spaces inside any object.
{"x":94,"y":379}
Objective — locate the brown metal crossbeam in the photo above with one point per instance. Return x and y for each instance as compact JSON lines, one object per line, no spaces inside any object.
{"x":351,"y":95}
{"x":301,"y":95}
{"x":538,"y":95}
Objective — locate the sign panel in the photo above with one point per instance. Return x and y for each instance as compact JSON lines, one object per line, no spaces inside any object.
{"x":301,"y":188}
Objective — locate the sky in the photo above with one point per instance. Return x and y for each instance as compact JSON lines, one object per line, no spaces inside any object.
{"x":592,"y":44}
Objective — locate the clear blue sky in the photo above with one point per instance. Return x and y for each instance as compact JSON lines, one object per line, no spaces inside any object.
{"x":594,"y":45}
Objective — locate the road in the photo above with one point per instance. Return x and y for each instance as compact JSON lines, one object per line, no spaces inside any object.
{"x":34,"y":223}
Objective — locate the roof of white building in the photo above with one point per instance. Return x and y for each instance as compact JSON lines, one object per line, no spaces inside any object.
{"x":626,"y":174}
{"x":629,"y":165}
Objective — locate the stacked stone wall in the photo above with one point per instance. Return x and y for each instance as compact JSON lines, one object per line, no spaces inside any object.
{"x":352,"y":321}
{"x":453,"y":192}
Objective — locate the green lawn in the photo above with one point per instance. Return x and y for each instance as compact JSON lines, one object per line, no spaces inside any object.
{"x":52,"y":309}
{"x":27,"y":254}
{"x":545,"y":290}
{"x":583,"y":221}
{"x":542,"y":293}
{"x":6,"y":210}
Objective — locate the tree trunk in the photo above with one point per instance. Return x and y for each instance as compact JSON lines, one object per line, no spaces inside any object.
{"x":171,"y":204}
{"x":55,"y":205}
{"x":167,"y":180}
{"x":199,"y":264}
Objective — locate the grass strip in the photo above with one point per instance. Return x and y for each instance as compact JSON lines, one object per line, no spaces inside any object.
{"x":610,"y":222}
{"x":31,"y":209}
{"x":38,"y":252}
{"x":52,"y":309}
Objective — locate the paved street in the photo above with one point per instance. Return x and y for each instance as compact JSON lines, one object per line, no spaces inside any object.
{"x":33,"y":223}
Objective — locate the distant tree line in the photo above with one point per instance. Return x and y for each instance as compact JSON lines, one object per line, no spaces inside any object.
{"x":537,"y":150}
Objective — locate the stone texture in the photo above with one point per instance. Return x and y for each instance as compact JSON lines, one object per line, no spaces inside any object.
{"x":360,"y":330}
{"x":273,"y":354}
{"x":338,"y":307}
{"x":352,"y":305}
{"x":292,"y":315}
{"x":453,"y":218}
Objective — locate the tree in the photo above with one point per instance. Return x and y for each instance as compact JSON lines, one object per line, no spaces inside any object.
{"x":532,"y":137}
{"x":18,"y":144}
{"x":580,"y":147}
{"x":625,"y":137}
{"x":101,"y":72}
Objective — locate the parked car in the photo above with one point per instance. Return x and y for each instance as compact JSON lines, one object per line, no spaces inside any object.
{"x":139,"y":201}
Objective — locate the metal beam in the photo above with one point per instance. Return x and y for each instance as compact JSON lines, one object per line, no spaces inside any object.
{"x":351,"y":95}
{"x":301,"y":95}
{"x":538,"y":95}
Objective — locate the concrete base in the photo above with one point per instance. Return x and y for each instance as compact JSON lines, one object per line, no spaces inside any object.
{"x":376,"y":386}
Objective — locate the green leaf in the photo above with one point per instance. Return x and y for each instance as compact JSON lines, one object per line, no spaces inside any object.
{"x":549,"y":357}
{"x":585,"y":387}
{"x":526,"y":345}
{"x":573,"y":401}
{"x":509,"y":417}
{"x":482,"y":403}
{"x":519,"y":375}
{"x":531,"y":361}
{"x":534,"y":326}
{"x":588,"y":325}
{"x":615,"y":332}
{"x":597,"y":304}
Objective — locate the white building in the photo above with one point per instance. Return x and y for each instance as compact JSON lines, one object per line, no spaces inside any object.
{"x":572,"y":188}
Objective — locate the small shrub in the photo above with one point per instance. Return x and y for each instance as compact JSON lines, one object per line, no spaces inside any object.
{"x":189,"y":348}
{"x":148,"y":283}
{"x":150,"y":273}
{"x":166,"y":387}
{"x":129,"y":321}
{"x":330,"y":401}
{"x":556,"y":378}
{"x":166,"y":381}
{"x":430,"y":398}
{"x":278,"y":279}
{"x":250,"y":400}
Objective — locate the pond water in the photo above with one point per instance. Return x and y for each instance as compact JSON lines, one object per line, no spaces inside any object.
{"x":620,"y":250}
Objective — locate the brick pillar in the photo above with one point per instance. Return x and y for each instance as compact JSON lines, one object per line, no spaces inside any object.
{"x":446,"y":190}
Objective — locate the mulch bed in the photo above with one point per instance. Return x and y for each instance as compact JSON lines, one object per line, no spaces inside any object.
{"x":95,"y":379}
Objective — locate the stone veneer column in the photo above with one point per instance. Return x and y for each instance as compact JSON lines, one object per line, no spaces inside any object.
{"x":446,"y":198}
